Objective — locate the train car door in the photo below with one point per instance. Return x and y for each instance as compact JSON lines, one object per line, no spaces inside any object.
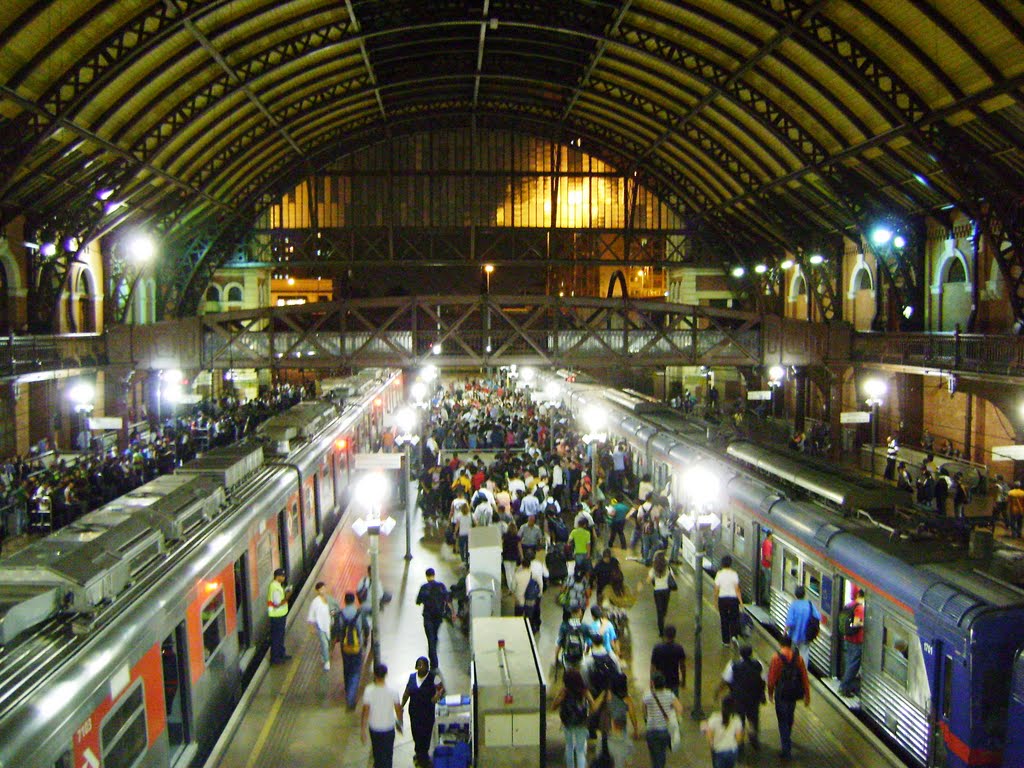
{"x":177,"y":692}
{"x":243,"y":606}
{"x":1013,"y":752}
{"x":846,"y":593}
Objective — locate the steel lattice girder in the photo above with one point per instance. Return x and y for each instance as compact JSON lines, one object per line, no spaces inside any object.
{"x":538,"y":330}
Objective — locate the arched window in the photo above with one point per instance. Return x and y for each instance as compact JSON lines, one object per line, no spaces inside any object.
{"x":213,"y":293}
{"x":956,"y":272}
{"x":234,"y":293}
{"x":86,"y":303}
{"x":863,"y":281}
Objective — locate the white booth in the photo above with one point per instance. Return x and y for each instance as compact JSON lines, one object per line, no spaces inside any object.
{"x":509,"y":695}
{"x":485,"y":552}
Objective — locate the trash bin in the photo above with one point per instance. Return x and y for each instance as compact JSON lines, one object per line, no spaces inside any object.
{"x":483,"y":597}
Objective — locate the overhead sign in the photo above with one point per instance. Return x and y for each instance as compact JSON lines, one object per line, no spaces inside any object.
{"x":855,"y":417}
{"x":105,"y":422}
{"x":378,"y":461}
{"x":759,"y":394}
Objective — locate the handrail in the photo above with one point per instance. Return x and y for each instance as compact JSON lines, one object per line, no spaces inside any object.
{"x":983,"y":353}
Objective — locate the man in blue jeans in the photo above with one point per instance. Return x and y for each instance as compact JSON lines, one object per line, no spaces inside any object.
{"x":433,"y":596}
{"x":787,"y":684}
{"x":797,"y":617}
{"x":854,"y":643}
{"x":352,"y":662}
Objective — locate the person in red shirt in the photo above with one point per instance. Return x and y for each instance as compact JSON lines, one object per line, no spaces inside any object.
{"x":767,"y":547}
{"x":854,"y":643}
{"x":787,"y":684}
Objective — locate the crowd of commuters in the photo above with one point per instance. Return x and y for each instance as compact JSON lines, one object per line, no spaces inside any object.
{"x":528,"y":471}
{"x":42,"y":496}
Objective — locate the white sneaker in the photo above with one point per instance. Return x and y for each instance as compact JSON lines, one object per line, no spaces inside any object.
{"x":327,"y":667}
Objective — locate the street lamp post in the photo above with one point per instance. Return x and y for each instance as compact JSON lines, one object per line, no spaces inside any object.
{"x":406,"y":421}
{"x":875,"y":389}
{"x":702,"y":486}
{"x":373,"y":489}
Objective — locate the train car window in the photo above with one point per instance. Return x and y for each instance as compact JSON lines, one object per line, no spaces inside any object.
{"x":727,"y":530}
{"x":265,"y":561}
{"x":790,"y":571}
{"x":123,"y":732}
{"x":740,"y":539}
{"x":812,"y":581}
{"x":327,"y":484}
{"x":312,"y":513}
{"x":895,"y":650}
{"x":214,"y":622}
{"x":242,"y":606}
{"x":293,"y":521}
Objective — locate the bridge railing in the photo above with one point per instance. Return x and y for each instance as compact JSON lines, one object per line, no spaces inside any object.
{"x":981,"y":353}
{"x":489,"y":330}
{"x":21,"y":355}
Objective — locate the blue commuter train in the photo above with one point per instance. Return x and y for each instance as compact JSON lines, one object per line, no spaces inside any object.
{"x":942,"y":674}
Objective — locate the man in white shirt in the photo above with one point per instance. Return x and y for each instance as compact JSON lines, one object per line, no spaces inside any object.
{"x":319,"y":619}
{"x":463,"y":524}
{"x":382,"y":716}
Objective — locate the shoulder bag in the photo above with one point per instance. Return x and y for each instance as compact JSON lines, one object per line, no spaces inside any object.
{"x":675,"y":739}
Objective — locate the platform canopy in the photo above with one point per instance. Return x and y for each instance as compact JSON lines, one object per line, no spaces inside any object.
{"x":761,"y":122}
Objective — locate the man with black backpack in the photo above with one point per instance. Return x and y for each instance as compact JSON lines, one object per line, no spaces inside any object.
{"x":433,"y":596}
{"x":348,"y":622}
{"x":573,"y":640}
{"x":787,"y":684}
{"x":803,"y":622}
{"x":744,"y":678}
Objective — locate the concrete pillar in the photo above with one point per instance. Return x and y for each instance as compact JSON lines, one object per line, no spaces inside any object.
{"x":835,"y":408}
{"x":799,"y":398}
{"x":911,"y":403}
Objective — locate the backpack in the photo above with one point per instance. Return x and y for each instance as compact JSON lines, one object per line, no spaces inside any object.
{"x":350,"y":641}
{"x":363,"y":590}
{"x":435,"y":602}
{"x":532,"y":591}
{"x":573,"y":711}
{"x":747,"y":684}
{"x":603,"y":673}
{"x":846,"y":619}
{"x":790,"y":685}
{"x":574,"y":645}
{"x":813,"y":627}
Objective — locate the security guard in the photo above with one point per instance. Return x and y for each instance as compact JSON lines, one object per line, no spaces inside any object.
{"x":277,"y":610}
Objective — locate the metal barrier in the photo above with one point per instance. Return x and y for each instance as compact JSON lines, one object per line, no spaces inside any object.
{"x":982,"y":353}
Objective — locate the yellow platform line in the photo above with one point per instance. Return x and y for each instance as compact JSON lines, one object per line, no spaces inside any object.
{"x":275,"y":708}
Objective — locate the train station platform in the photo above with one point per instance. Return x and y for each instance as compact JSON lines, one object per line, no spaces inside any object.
{"x":294,"y":715}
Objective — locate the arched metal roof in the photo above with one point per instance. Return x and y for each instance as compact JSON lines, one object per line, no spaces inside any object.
{"x":762,"y":121}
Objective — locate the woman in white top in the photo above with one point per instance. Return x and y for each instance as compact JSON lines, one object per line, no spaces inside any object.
{"x":730,"y":599}
{"x":660,"y":577}
{"x":724,"y":731}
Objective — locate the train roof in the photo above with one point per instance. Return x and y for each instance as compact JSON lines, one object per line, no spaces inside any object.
{"x":823,"y":481}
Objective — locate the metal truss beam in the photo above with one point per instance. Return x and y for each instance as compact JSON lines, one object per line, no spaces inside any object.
{"x":481,"y":331}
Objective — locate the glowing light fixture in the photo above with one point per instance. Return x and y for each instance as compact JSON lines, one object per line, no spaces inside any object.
{"x":738,"y":271}
{"x":816,"y":259}
{"x":881,"y":235}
